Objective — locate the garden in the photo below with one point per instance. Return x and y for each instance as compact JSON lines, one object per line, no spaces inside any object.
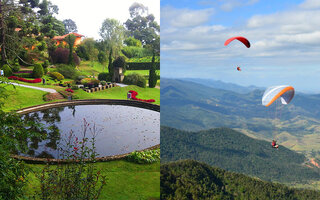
{"x":50,"y":64}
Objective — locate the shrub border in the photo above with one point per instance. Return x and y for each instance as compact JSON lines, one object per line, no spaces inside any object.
{"x":85,"y":102}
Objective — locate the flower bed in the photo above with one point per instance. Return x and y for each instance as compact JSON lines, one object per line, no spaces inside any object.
{"x":69,"y":90}
{"x":134,"y":94}
{"x":37,"y":80}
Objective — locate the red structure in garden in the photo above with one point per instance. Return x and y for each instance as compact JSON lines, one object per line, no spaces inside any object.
{"x":134,"y":94}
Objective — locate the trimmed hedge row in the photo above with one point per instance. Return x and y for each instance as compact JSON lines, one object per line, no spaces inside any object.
{"x":141,"y":65}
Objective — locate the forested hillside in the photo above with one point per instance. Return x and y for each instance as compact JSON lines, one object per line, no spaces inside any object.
{"x":189,"y":179}
{"x":234,"y":151}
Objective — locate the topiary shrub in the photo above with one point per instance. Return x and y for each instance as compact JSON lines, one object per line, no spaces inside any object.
{"x":104,"y":76}
{"x":135,"y":79}
{"x":57,"y":75}
{"x":7,"y":70}
{"x":37,"y":71}
{"x":119,"y":62}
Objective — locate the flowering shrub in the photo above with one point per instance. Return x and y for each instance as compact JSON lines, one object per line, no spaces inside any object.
{"x":37,"y":80}
{"x":77,"y":179}
{"x":148,"y":156}
{"x":69,"y":90}
{"x":57,"y":75}
{"x":134,"y":94}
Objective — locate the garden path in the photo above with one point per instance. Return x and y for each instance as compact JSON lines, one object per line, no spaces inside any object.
{"x":36,"y":88}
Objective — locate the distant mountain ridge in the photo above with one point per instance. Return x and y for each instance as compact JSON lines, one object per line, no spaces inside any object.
{"x":188,"y":179}
{"x":223,"y":85}
{"x":192,"y":106}
{"x":234,"y":151}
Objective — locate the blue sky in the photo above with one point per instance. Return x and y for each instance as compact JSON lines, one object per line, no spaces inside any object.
{"x":284,"y":36}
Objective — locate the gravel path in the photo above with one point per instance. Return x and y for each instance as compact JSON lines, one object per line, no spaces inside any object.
{"x":36,"y":88}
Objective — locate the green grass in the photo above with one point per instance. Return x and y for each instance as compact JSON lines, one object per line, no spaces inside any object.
{"x":121,"y":93}
{"x":22,"y":97}
{"x":126,"y":180}
{"x":87,"y":69}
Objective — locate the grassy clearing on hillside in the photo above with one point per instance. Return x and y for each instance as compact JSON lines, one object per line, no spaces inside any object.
{"x":126,"y":180}
{"x":121,"y":93}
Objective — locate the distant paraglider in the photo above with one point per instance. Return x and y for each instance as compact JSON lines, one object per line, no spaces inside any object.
{"x":276,"y":96}
{"x":244,"y":40}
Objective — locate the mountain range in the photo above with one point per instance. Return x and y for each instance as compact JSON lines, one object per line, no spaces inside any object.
{"x":192,"y":106}
{"x":236,"y":152}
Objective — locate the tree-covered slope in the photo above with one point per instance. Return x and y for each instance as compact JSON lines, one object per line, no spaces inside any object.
{"x":234,"y":151}
{"x":191,"y":106}
{"x":193,"y":180}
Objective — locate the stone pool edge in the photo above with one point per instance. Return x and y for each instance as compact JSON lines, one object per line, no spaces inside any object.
{"x":133,"y":103}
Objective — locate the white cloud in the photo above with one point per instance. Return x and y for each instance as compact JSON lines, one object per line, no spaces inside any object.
{"x":185,"y":17}
{"x":285,"y":39}
{"x":228,"y":5}
{"x":310,"y":4}
{"x":282,"y":35}
{"x":90,"y":15}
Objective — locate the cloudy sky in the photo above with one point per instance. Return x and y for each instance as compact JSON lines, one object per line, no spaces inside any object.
{"x":284,"y":36}
{"x":89,"y":15}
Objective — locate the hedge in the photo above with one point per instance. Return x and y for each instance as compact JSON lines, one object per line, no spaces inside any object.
{"x":142,"y":65}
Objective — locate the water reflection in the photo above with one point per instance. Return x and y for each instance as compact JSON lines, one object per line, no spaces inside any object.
{"x":120,"y":129}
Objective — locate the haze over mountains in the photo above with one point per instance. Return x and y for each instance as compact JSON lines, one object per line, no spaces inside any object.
{"x":192,"y":106}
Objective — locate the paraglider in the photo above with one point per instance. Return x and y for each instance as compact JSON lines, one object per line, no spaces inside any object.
{"x":284,"y":93}
{"x":244,"y":40}
{"x":274,"y":144}
{"x":277,"y":96}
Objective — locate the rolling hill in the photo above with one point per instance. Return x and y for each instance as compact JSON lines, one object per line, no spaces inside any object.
{"x":193,"y":180}
{"x":234,"y":151}
{"x":192,"y":106}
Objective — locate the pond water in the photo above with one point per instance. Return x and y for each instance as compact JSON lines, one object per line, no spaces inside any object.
{"x":117,"y":129}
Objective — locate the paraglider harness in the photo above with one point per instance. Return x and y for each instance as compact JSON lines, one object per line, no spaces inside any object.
{"x":274,"y":144}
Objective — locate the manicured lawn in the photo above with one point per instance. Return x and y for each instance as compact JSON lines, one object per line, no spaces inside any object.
{"x":126,"y":180}
{"x":21,"y":97}
{"x":121,"y":93}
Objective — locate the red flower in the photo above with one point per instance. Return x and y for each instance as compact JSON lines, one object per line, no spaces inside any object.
{"x":75,"y":148}
{"x":69,"y":90}
{"x":37,"y":80}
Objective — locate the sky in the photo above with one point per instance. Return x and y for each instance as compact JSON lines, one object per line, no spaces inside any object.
{"x":284,"y":37}
{"x":89,"y":15}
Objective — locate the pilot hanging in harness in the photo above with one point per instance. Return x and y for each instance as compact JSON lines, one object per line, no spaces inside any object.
{"x":274,"y":144}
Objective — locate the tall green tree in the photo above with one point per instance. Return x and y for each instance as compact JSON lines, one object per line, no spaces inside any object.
{"x":142,"y":25}
{"x":155,"y":46}
{"x":70,"y":39}
{"x":113,"y":34}
{"x":17,"y":24}
{"x":70,"y":26}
